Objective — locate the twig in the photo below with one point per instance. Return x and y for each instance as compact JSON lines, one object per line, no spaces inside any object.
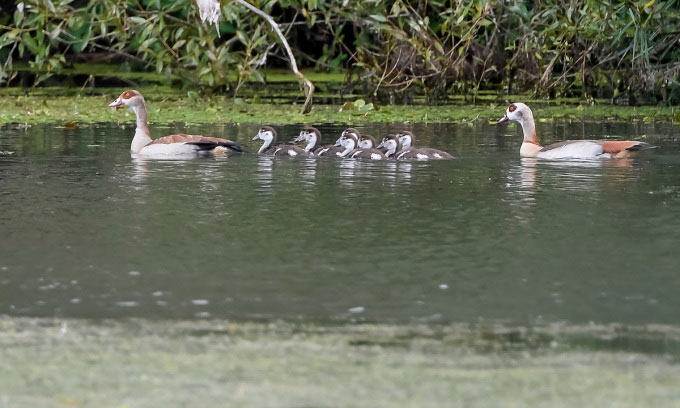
{"x":305,"y":83}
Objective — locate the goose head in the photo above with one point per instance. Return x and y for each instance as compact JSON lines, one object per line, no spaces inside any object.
{"x":406,"y":139}
{"x":131,"y":98}
{"x":266,"y":133}
{"x":311,"y":135}
{"x":348,"y":141}
{"x":346,"y":132}
{"x":390,"y":145}
{"x":518,"y":112}
{"x":366,"y":142}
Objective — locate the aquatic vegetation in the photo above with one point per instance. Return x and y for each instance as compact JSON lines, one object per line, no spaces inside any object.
{"x":623,"y":51}
{"x":169,"y":105}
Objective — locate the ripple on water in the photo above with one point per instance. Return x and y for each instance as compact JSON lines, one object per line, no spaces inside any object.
{"x":482,"y":237}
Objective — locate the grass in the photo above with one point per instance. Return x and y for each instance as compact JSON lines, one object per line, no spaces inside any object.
{"x":129,"y":363}
{"x":167,"y":104}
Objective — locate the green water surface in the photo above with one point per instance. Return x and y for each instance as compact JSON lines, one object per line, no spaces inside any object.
{"x":88,"y":231}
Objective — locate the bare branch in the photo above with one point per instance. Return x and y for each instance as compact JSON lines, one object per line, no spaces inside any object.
{"x":210,"y":11}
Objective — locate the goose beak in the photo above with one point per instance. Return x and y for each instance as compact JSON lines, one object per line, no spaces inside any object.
{"x":504,"y":119}
{"x":298,"y":139}
{"x":116,"y":104}
{"x":257,"y":136}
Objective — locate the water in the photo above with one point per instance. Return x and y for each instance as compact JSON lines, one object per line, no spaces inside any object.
{"x":87,"y":231}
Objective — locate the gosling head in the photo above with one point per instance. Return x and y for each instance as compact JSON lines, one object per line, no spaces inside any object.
{"x":390,"y":145}
{"x":366,"y":142}
{"x":348,"y":141}
{"x":266,"y":133}
{"x":348,"y":131}
{"x":406,"y":139}
{"x":311,"y":136}
{"x":308,"y":134}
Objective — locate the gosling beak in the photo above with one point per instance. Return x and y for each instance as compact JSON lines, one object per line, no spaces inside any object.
{"x":298,"y":139}
{"x":504,"y":119}
{"x":116,"y":104}
{"x":257,"y":136}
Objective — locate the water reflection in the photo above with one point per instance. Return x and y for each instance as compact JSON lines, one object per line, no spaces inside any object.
{"x":265,"y":173}
{"x":309,"y":171}
{"x":140,"y":166}
{"x":521,"y":185}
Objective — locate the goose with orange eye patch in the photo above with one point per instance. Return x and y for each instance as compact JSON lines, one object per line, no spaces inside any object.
{"x":570,"y":149}
{"x":173,"y":145}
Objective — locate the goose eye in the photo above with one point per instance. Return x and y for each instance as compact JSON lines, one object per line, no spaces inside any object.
{"x":512,"y":108}
{"x":127,"y":95}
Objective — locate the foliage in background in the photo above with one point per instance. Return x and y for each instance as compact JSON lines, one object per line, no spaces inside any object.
{"x":590,"y":48}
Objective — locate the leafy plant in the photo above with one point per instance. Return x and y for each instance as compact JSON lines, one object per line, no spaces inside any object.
{"x":587,"y":48}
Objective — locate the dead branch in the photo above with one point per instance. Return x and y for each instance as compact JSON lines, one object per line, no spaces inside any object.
{"x":210,"y":11}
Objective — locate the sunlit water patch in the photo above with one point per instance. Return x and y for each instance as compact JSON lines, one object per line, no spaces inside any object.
{"x":88,"y":231}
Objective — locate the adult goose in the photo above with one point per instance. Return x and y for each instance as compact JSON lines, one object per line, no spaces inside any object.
{"x":172,"y":145}
{"x":571,"y":149}
{"x":268,"y":135}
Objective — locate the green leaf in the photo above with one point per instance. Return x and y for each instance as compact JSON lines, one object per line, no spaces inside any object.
{"x":138,"y":20}
{"x":367,"y":107}
{"x":30,"y":43}
{"x":379,"y":17}
{"x":359,"y":103}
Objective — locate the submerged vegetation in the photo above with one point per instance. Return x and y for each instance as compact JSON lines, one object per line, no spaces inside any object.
{"x":625,"y":52}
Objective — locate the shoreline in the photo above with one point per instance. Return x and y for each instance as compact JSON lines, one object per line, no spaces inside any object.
{"x":169,"y":105}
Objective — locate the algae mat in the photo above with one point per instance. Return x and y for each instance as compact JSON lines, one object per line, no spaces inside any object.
{"x":167,"y":105}
{"x":141,"y":363}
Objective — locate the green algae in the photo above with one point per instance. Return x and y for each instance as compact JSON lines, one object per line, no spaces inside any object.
{"x":125,"y":363}
{"x":167,"y":104}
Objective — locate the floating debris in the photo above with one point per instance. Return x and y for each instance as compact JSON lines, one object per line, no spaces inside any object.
{"x":357,"y":309}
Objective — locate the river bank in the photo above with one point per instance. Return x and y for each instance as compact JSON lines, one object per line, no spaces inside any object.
{"x":43,"y":105}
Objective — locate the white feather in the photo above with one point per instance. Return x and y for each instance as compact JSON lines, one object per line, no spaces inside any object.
{"x":169,"y":149}
{"x":575,"y":150}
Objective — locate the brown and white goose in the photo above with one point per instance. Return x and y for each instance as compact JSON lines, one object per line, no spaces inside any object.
{"x":366,"y":150}
{"x":349,"y":142}
{"x":571,"y":149}
{"x":390,"y":145}
{"x":179,"y":144}
{"x":312,"y":136}
{"x":393,"y":145}
{"x":337,"y":149}
{"x":268,"y":135}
